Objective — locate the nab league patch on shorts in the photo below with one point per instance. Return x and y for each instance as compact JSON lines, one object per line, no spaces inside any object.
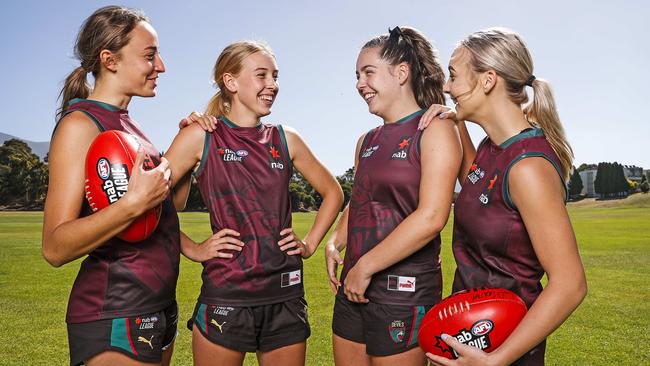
{"x":146,"y":322}
{"x":291,"y":278}
{"x":401,"y":283}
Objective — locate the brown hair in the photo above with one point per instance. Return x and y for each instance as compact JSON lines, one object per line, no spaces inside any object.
{"x":230,"y":62}
{"x":406,"y":44}
{"x":504,"y":51}
{"x":107,"y":28}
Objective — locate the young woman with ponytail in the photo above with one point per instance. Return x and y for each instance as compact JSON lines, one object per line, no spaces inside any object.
{"x":510,"y":222}
{"x":252,"y":298}
{"x":122,"y":308}
{"x":403,"y":188}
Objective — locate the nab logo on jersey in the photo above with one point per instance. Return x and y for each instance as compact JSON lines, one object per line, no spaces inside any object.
{"x":274,"y":158}
{"x":229,"y":155}
{"x":369,"y":151}
{"x":401,"y":152}
{"x":487,"y":192}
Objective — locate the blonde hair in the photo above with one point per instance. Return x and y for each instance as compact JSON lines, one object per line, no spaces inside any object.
{"x":230,"y":62}
{"x":108,"y":28}
{"x":406,"y":44}
{"x":504,"y":51}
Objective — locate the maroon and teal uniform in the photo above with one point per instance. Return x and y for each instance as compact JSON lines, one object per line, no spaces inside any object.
{"x":244,"y":180}
{"x":386,"y":190}
{"x":125,"y":293}
{"x":118,"y":278}
{"x":490,"y":243}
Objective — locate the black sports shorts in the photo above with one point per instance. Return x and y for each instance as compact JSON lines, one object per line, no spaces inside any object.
{"x":250,"y":329}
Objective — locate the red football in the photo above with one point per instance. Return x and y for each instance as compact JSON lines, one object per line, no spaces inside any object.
{"x":482,"y":317}
{"x":109,"y":162}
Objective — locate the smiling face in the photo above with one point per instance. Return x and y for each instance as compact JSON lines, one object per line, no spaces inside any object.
{"x":462,"y":84}
{"x":139,"y":63}
{"x":255,"y":87}
{"x":376,"y":83}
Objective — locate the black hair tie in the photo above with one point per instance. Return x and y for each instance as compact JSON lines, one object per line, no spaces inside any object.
{"x":530,"y":80}
{"x":395,"y":32}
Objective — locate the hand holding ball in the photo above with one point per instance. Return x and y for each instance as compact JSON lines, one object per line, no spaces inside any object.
{"x":110,"y":164}
{"x":482,"y":318}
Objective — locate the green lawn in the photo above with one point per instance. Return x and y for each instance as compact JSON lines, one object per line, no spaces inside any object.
{"x":610,"y":328}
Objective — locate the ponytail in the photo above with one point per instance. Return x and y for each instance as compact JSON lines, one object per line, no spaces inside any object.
{"x":230,"y":61}
{"x":505,"y":52}
{"x":428,"y":78}
{"x":406,"y":44}
{"x":543,"y":113}
{"x":108,"y":28}
{"x":75,"y":86}
{"x":217,"y":106}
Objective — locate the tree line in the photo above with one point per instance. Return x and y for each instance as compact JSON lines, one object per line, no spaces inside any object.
{"x":610,"y":181}
{"x":23,"y":177}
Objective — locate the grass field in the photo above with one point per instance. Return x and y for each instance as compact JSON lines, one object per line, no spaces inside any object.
{"x":611,"y":327}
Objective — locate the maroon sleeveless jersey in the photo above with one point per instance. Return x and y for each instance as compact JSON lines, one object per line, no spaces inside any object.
{"x":386,"y":190}
{"x":244,"y":180}
{"x":118,"y":278}
{"x":490,"y":244}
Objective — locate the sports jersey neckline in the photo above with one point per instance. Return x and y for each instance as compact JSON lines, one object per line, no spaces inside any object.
{"x":231,"y":124}
{"x":103,"y":105}
{"x":406,"y":119}
{"x":529,"y":132}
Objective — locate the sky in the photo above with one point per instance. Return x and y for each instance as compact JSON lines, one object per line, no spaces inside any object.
{"x":594,"y":54}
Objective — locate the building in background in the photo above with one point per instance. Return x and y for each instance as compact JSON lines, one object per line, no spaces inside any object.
{"x":588,"y":177}
{"x":633,"y":172}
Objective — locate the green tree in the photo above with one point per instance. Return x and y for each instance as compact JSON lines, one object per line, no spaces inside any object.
{"x":645,"y":187}
{"x":622,"y":186}
{"x":23,"y":176}
{"x":585,"y":166}
{"x":346,"y":181}
{"x":610,"y":180}
{"x":575,"y":184}
{"x":599,"y":186}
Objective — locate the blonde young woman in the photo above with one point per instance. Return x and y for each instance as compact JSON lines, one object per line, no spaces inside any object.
{"x":510,"y":222}
{"x":252,"y":298}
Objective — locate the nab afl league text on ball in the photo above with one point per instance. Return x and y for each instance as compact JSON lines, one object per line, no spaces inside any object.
{"x":109,"y":165}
